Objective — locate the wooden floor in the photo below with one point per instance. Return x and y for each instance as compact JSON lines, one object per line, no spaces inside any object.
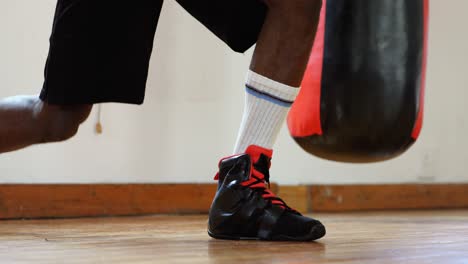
{"x":384,"y":237}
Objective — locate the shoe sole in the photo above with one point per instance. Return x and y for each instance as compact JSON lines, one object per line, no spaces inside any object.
{"x":315,"y":233}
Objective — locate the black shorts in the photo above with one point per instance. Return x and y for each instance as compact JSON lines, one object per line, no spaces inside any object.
{"x":100,"y":49}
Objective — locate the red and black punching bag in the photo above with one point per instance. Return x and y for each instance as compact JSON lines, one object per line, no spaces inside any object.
{"x":362,"y":95}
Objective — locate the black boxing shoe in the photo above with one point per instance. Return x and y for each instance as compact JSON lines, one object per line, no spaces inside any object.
{"x":245,"y":208}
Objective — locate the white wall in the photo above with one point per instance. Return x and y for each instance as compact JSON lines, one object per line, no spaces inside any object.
{"x":194,"y":104}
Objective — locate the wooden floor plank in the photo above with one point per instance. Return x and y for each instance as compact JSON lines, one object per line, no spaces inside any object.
{"x":381,"y":237}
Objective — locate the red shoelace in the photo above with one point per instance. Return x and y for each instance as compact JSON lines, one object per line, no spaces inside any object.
{"x":258,"y":182}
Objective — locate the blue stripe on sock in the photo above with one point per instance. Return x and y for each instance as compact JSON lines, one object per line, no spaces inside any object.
{"x":268,"y":97}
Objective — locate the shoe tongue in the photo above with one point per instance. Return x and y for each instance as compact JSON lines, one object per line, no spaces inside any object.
{"x":261,"y":158}
{"x":255,"y":152}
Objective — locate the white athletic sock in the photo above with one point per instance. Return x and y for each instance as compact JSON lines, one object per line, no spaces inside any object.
{"x":267,"y":103}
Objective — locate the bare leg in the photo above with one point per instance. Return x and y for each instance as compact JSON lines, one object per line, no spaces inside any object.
{"x":26,"y":120}
{"x":277,"y":69}
{"x":286,"y":40}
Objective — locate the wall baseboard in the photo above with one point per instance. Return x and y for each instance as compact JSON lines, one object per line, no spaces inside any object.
{"x":86,"y":200}
{"x":91,"y":200}
{"x":338,"y":198}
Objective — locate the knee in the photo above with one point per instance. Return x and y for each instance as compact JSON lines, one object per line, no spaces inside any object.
{"x":308,"y":8}
{"x":62,"y":122}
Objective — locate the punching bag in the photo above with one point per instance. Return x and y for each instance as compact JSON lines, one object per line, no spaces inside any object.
{"x":362,"y":96}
